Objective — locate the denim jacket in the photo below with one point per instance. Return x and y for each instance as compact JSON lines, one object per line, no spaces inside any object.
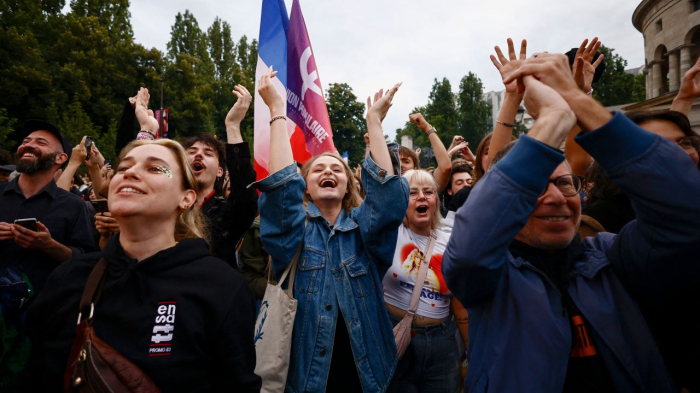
{"x":519,"y":335}
{"x":339,"y":267}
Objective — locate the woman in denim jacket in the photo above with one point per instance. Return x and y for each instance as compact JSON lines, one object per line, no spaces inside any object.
{"x":343,"y":338}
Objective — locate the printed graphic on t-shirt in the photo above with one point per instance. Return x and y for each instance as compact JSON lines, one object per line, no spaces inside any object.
{"x":401,"y":277}
{"x":583,"y":345}
{"x":411,"y":257}
{"x":163,"y":329}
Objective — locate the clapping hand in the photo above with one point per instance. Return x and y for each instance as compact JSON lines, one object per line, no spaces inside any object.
{"x":238,"y":110}
{"x":79,"y":153}
{"x":507,"y":65}
{"x":270,"y":95}
{"x":583,"y":69}
{"x":145,"y":116}
{"x":382,"y":103}
{"x":690,"y":85}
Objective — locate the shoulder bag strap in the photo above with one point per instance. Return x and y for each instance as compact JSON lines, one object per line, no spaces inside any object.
{"x":291,"y":269}
{"x":93,"y":288}
{"x":422,"y":272}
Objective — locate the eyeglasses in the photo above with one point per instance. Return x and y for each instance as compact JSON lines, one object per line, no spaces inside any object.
{"x":428,"y":193}
{"x":568,"y":185}
{"x":690,"y":143}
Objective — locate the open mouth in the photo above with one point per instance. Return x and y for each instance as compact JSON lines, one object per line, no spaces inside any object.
{"x":198,"y":167}
{"x":422,"y":209}
{"x":328,"y":183}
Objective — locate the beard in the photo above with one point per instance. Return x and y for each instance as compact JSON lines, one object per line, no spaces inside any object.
{"x":41,"y":164}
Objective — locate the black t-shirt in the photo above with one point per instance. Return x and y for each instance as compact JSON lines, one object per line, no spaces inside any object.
{"x":586,"y":371}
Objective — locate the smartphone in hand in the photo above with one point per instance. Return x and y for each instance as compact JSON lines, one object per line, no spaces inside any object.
{"x":29,"y":223}
{"x":100,"y":205}
{"x":88,"y":147}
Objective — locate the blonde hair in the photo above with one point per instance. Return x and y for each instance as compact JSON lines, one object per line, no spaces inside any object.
{"x":190,"y":223}
{"x":352,"y":198}
{"x":423,"y":177}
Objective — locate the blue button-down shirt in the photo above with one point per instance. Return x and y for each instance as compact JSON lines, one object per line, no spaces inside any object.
{"x":339,"y":268}
{"x":63,"y":213}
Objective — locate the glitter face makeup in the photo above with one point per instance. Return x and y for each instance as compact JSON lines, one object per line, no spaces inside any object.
{"x":165,"y":170}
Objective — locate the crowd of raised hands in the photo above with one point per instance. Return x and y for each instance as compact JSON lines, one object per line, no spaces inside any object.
{"x":342,"y":226}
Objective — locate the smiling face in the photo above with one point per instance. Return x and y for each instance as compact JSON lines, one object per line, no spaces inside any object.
{"x":148,"y":183}
{"x":671,"y":131}
{"x":326,"y":180}
{"x":553,"y":223}
{"x":39,"y":151}
{"x":205,"y":164}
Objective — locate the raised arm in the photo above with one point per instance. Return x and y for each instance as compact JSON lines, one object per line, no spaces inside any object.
{"x":94,"y":165}
{"x":282,"y":212}
{"x":147,"y":121}
{"x":77,"y":157}
{"x":583,"y":70}
{"x":689,"y":91}
{"x":503,"y":131}
{"x":242,"y":201}
{"x":375,"y":114}
{"x":655,"y":251}
{"x":386,"y":193}
{"x":280,"y":147}
{"x":444,"y":168}
{"x":474,"y":261}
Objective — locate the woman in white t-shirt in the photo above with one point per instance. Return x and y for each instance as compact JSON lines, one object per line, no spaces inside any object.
{"x":431,"y":364}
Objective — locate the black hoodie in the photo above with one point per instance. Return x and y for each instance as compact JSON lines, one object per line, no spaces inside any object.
{"x":184,"y":317}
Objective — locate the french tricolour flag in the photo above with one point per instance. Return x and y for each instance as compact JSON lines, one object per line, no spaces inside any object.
{"x":284,"y":44}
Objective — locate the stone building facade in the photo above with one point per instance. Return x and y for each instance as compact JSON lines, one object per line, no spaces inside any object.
{"x":671,"y":30}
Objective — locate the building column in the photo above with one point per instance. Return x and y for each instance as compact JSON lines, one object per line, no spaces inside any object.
{"x":686,"y":61}
{"x":656,"y":79}
{"x":674,"y":78}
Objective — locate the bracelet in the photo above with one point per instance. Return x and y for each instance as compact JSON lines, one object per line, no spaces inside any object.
{"x":590,"y":91}
{"x":431,"y":131}
{"x":147,"y":135}
{"x":505,"y":124}
{"x":277,"y":118}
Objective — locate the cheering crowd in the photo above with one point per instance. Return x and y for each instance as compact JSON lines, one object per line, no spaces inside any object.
{"x":558,"y":261}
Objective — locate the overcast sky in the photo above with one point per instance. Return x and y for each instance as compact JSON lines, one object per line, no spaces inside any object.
{"x":371,"y":44}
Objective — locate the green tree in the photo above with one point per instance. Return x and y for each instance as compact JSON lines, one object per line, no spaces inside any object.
{"x":6,"y":130}
{"x":474,"y":112}
{"x":186,"y":37}
{"x":441,"y":112}
{"x":190,"y":96}
{"x":616,"y":87}
{"x":346,"y":114}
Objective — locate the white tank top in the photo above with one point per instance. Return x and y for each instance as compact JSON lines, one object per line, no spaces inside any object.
{"x":398,"y":283}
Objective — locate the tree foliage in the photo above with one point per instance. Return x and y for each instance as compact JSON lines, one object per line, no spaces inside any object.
{"x":346,"y":114}
{"x":463,"y":113}
{"x":616,"y":87}
{"x":474,"y":112}
{"x":77,"y":69}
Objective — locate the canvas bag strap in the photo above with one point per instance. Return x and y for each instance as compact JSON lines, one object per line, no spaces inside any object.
{"x":422,"y":272}
{"x":93,"y":289}
{"x":291,"y":269}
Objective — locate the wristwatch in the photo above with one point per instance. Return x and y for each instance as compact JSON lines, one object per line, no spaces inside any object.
{"x":432,"y":130}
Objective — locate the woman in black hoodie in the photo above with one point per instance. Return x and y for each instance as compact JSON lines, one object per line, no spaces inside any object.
{"x":182,"y":316}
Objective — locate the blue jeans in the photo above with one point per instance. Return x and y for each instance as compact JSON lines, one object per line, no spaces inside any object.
{"x":433,"y":365}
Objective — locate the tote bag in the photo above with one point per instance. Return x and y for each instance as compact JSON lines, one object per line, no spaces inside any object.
{"x":273,"y":330}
